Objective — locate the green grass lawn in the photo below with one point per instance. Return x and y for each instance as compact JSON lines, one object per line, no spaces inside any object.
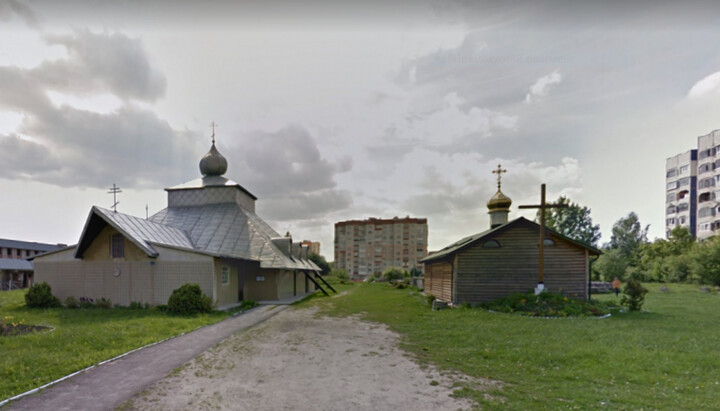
{"x":665,"y":357}
{"x":81,"y":337}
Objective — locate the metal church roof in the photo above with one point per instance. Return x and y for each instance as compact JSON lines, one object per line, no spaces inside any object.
{"x":206,"y":217}
{"x":210,"y":181}
{"x":228,"y":230}
{"x":143,"y":233}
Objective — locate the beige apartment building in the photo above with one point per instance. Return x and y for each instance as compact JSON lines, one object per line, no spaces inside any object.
{"x":368,"y":247}
{"x":313,"y":246}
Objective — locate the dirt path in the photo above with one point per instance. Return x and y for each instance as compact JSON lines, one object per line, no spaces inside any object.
{"x":295,"y":361}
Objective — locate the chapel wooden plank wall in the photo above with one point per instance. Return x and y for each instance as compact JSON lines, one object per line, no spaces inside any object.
{"x":438,"y":280}
{"x":486,"y":274}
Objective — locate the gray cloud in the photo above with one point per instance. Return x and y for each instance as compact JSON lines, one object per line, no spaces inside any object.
{"x":287,"y":172}
{"x":20,"y":9}
{"x":132,"y":147}
{"x":287,"y":161}
{"x":69,"y":147}
{"x":302,"y":206}
{"x":16,"y":154}
{"x":107,"y":62}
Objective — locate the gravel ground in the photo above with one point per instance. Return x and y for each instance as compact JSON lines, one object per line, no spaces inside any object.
{"x":298,"y":361}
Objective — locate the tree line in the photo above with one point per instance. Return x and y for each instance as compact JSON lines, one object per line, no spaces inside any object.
{"x":630,"y":255}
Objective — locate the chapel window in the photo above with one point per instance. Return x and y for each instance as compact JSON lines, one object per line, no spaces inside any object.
{"x":117,"y":246}
{"x":491,"y":244}
{"x":548,"y":242}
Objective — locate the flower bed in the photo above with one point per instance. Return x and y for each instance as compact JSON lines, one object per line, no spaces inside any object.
{"x":549,"y":305}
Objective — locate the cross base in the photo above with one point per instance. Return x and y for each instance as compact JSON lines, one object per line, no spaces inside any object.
{"x":540,"y":288}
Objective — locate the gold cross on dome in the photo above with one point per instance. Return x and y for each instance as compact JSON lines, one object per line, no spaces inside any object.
{"x":499,"y":172}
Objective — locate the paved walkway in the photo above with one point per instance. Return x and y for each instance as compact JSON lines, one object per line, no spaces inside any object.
{"x":109,"y":385}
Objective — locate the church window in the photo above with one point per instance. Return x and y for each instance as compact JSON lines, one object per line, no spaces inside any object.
{"x":548,"y":242}
{"x":225,"y":276}
{"x":491,"y":244}
{"x":117,"y":246}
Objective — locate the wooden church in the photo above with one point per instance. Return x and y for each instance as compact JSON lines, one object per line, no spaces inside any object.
{"x":506,"y":259}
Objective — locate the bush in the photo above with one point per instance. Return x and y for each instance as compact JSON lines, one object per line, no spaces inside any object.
{"x":189,"y":299}
{"x":634,"y":295}
{"x":429,"y":298}
{"x":41,"y":296}
{"x":71,"y":302}
{"x":87,"y":302}
{"x":247,"y":304}
{"x":393,"y":273}
{"x":138,"y":305}
{"x":547,"y":304}
{"x":341,"y":275}
{"x":104,"y":303}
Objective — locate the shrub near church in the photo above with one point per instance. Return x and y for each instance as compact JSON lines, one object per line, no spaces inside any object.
{"x":41,"y":296}
{"x":189,"y":299}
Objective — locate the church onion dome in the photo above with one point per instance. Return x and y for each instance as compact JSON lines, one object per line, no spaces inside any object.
{"x":499,"y":202}
{"x":213,"y":163}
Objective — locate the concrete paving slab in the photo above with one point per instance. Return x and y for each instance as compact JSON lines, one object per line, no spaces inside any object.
{"x":109,"y":385}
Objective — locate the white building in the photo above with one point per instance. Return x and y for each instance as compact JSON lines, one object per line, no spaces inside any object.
{"x":708,"y":184}
{"x":681,"y":199}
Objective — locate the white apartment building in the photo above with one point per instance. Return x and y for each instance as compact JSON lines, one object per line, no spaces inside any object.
{"x":708,"y":185}
{"x":681,"y":182}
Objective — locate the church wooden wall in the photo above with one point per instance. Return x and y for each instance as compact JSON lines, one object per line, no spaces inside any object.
{"x":486,"y":274}
{"x":438,"y":280}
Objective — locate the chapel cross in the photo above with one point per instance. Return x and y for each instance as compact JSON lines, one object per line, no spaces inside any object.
{"x":213,"y":125}
{"x":114,"y":190}
{"x":541,"y":261}
{"x":499,"y":172}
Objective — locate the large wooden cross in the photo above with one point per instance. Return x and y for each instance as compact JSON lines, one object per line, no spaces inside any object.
{"x":541,"y":260}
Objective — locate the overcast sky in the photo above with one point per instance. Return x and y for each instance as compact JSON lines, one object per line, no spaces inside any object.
{"x":350,"y":110}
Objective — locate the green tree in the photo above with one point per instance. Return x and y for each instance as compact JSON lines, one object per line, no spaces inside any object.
{"x":572,"y":221}
{"x":610,"y":265}
{"x":669,"y":260}
{"x":634,"y":295}
{"x":627,"y":237}
{"x":320,"y":262}
{"x":706,"y":261}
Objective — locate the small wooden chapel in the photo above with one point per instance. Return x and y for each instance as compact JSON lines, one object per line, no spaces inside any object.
{"x":507,"y":259}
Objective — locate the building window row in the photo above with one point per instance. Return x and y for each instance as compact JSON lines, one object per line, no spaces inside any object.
{"x":706,"y":212}
{"x":710,"y":196}
{"x":18,"y":253}
{"x":710,"y":152}
{"x":706,"y":182}
{"x":705,"y":168}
